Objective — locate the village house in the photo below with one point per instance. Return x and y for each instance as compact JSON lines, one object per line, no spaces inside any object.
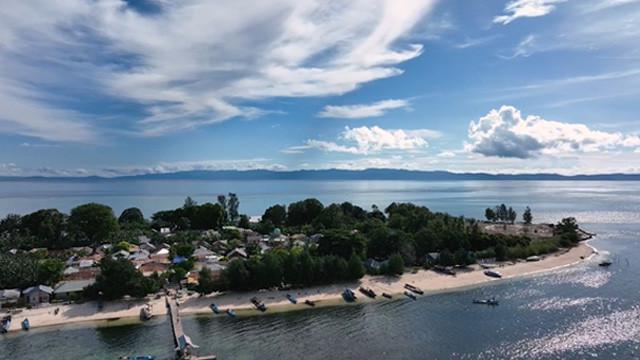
{"x":202,"y":253}
{"x":431,"y":258}
{"x":237,"y":253}
{"x":71,"y":289}
{"x":38,"y":294}
{"x":149,"y":268}
{"x":9,"y":296}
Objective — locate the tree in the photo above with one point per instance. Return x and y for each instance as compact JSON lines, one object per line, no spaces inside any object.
{"x":232,"y":207}
{"x":222,"y":201}
{"x":395,"y":265}
{"x":93,"y":222}
{"x":237,"y":275}
{"x":303,"y":212}
{"x":343,"y":243}
{"x":189,"y":203}
{"x":276,"y":214}
{"x":490,"y":214}
{"x":206,"y":283}
{"x":511,"y":215}
{"x":118,"y":278}
{"x":131,"y":216}
{"x":50,"y":271}
{"x":355,"y":269}
{"x":47,"y":227}
{"x":244,"y":222}
{"x":526,"y":216}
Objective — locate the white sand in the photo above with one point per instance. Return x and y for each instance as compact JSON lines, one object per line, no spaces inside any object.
{"x":428,"y":281}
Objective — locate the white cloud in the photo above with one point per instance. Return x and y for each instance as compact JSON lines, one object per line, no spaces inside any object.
{"x":447,"y":154}
{"x":367,"y":140}
{"x":194,"y":63}
{"x":516,"y":9}
{"x":506,"y":133}
{"x":360,"y":111}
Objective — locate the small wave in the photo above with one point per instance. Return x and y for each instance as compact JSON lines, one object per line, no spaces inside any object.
{"x":581,"y":276}
{"x":559,"y":303}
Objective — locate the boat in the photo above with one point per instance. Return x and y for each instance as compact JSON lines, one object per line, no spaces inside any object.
{"x":231,"y":313}
{"x":139,"y":357}
{"x":26,"y":325}
{"x":258,"y":304}
{"x":292,"y":299}
{"x":5,"y":324}
{"x":214,"y":308}
{"x":605,"y":263}
{"x":146,"y":313}
{"x":348,"y":295}
{"x":492,"y":273}
{"x":413,"y":289}
{"x":492,"y":302}
{"x":410,"y":295}
{"x":310,"y":303}
{"x":388,"y":296}
{"x":368,"y":292}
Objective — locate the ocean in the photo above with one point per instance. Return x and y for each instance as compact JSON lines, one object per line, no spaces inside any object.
{"x":581,"y":312}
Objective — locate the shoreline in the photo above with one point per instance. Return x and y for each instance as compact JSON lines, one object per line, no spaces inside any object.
{"x":127,"y":312}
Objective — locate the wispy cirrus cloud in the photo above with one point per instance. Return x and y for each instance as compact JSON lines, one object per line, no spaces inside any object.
{"x":178,"y":70}
{"x":516,"y":9}
{"x":360,"y":111}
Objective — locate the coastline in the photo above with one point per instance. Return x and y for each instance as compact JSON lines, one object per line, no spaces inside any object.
{"x":125,"y":312}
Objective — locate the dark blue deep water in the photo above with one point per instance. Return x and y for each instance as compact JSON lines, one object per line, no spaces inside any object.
{"x":582,"y":312}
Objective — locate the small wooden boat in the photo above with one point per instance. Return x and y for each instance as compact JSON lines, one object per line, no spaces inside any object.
{"x":214,"y":308}
{"x":388,"y":296}
{"x":5,"y":324}
{"x":231,"y":313}
{"x":310,"y":303}
{"x":368,"y":292}
{"x":605,"y":263}
{"x":491,"y":302}
{"x":292,"y":299}
{"x":492,"y":273}
{"x":349,"y":295}
{"x":26,"y":325}
{"x":258,"y":304}
{"x":146,"y":313}
{"x":410,"y":295}
{"x":413,"y":289}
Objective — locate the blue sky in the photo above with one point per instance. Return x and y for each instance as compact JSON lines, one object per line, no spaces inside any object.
{"x":123,"y":87}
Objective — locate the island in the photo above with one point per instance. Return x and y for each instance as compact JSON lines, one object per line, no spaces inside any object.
{"x":90,"y":265}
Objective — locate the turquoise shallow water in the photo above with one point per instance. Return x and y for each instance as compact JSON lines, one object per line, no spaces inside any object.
{"x":575,"y":313}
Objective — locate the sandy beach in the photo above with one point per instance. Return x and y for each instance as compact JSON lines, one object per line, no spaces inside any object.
{"x":429,"y":281}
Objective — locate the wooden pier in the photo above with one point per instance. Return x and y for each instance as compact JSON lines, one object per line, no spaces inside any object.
{"x":184,"y":346}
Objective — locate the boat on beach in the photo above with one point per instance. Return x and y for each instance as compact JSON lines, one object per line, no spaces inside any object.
{"x":368,"y":292}
{"x":388,"y":296}
{"x":214,"y":308}
{"x":258,"y":304}
{"x":231,"y":313}
{"x":492,"y":273}
{"x":292,"y":299}
{"x":349,"y":295}
{"x":605,"y":263}
{"x":410,"y":295}
{"x":310,"y":303}
{"x":492,"y":301}
{"x":26,"y":325}
{"x":5,"y":324}
{"x":413,"y":289}
{"x":146,"y":313}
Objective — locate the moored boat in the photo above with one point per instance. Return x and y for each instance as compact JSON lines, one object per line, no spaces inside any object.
{"x":368,"y":292}
{"x":492,"y":301}
{"x":214,"y":308}
{"x":231,"y":313}
{"x":26,"y":325}
{"x":258,"y":304}
{"x":605,"y":263}
{"x":388,"y":296}
{"x":310,"y":302}
{"x":410,"y":295}
{"x":349,"y":295}
{"x":413,"y":289}
{"x":5,"y":324}
{"x":146,"y":313}
{"x":292,"y":299}
{"x":492,"y":273}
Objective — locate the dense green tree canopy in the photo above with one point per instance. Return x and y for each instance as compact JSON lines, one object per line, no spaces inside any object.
{"x":92,"y":223}
{"x":131,"y":216}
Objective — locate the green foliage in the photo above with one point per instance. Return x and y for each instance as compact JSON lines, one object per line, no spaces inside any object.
{"x":355,"y":269}
{"x":191,"y":216}
{"x":92,"y":223}
{"x":18,"y":271}
{"x":207,"y":283}
{"x":526,"y":216}
{"x":303,"y":212}
{"x":395,"y":265}
{"x":342,"y":243}
{"x":47,"y":226}
{"x":131,"y":216}
{"x":243,"y":222}
{"x":50,"y":271}
{"x":118,"y":278}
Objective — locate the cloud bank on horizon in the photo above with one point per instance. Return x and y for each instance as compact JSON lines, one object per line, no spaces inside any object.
{"x":121,"y":87}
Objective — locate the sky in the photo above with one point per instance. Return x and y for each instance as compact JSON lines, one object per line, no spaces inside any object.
{"x":114,"y":87}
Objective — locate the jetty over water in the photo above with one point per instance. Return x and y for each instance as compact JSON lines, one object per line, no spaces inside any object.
{"x":184,"y":346}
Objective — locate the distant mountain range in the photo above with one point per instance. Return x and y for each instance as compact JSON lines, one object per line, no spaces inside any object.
{"x":333,"y":174}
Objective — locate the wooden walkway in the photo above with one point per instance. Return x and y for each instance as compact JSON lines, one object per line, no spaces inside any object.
{"x":184,"y":346}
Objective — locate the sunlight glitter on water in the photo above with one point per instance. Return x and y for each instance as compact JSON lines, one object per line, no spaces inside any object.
{"x":559,"y":303}
{"x":579,"y":276}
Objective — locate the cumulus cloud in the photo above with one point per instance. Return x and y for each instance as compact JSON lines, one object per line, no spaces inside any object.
{"x":506,"y":133}
{"x":187,"y":64}
{"x":526,"y":8}
{"x":360,"y":111}
{"x":366,"y":140}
